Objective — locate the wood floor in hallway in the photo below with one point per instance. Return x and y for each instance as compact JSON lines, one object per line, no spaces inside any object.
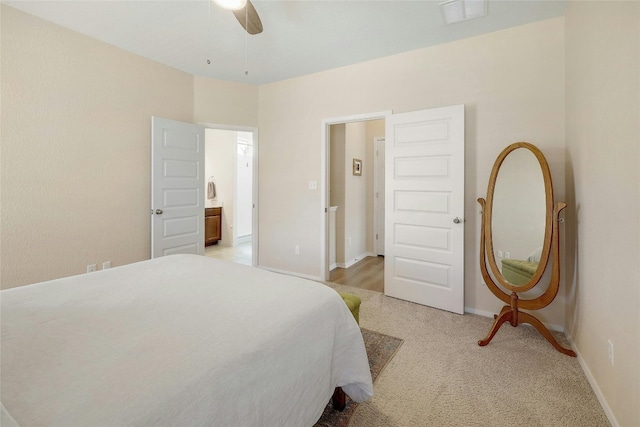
{"x":367,"y":273}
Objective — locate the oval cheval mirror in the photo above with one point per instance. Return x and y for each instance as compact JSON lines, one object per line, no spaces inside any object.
{"x":519,"y":236}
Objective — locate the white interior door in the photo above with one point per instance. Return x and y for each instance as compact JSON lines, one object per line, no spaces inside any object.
{"x":177,"y":186}
{"x":379,"y":195}
{"x":424,"y":245}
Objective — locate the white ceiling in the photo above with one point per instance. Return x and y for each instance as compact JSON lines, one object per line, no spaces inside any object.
{"x":300,"y":36}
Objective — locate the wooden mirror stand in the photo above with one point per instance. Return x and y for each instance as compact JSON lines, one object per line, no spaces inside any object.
{"x":497,"y":284}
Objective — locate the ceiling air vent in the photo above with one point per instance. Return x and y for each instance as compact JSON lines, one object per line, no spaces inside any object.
{"x":463,"y":10}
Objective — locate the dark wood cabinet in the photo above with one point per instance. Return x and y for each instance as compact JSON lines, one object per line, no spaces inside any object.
{"x":212,"y":225}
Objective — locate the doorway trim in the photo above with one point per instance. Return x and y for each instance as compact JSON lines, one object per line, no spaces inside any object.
{"x":255,"y":189}
{"x":324,"y":178}
{"x":378,"y":187}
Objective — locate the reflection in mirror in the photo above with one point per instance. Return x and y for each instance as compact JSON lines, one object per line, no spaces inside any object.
{"x":519,"y":215}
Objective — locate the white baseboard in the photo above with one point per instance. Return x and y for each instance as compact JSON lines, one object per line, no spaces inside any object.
{"x":354,"y":260}
{"x":243,"y":239}
{"x":478,"y":312}
{"x":483,"y":313}
{"x":594,"y":385}
{"x":291,"y":273}
{"x":333,"y":266}
{"x":351,"y":262}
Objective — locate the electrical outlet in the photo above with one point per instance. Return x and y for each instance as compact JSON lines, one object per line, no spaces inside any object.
{"x":106,"y":264}
{"x":91,"y":268}
{"x":507,"y":255}
{"x":610,"y":352}
{"x":500,"y":254}
{"x":349,"y":241}
{"x":313,"y":185}
{"x":297,"y":250}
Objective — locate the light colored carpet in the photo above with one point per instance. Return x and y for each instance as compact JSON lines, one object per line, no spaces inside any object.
{"x":380,"y":350}
{"x":441,"y":377}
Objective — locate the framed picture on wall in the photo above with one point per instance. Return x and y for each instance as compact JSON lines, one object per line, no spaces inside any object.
{"x":357,"y":167}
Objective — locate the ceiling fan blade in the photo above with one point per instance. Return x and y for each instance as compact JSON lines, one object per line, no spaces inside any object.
{"x":249,"y":19}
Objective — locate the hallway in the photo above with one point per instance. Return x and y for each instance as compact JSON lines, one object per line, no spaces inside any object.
{"x":367,"y":273}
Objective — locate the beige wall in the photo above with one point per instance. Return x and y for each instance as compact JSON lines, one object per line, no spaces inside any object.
{"x":603,"y":217}
{"x":512,"y":83}
{"x":337,"y":193}
{"x":76,"y":131}
{"x":356,"y":194}
{"x":225,"y":103}
{"x":76,"y":143}
{"x":75,"y":165}
{"x":220,"y":156}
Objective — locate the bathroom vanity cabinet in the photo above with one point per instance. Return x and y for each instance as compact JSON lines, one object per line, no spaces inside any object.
{"x":212,"y":225}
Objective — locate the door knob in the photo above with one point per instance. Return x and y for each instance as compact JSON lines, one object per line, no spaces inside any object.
{"x":457,"y":220}
{"x":158,"y":211}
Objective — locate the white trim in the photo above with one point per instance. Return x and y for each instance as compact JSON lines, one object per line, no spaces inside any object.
{"x":376,"y":191}
{"x":349,"y":263}
{"x":594,"y":385}
{"x":255,"y":188}
{"x":551,"y":327}
{"x":228,"y":127}
{"x":356,"y":259}
{"x":234,"y":220}
{"x":255,"y":248}
{"x":243,"y":239}
{"x":324,"y":180}
{"x":291,"y":273}
{"x":482,"y":313}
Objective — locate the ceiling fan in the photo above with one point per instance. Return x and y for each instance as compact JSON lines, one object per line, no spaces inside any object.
{"x":245,"y":13}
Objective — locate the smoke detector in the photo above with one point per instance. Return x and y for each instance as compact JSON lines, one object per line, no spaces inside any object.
{"x":463,"y":10}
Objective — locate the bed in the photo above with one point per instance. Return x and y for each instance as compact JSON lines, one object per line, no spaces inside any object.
{"x":176,"y":341}
{"x":517,"y":271}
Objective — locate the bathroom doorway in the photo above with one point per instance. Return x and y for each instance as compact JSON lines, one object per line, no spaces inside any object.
{"x":231,"y":170}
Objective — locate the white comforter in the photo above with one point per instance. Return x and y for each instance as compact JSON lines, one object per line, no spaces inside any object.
{"x":182,"y":340}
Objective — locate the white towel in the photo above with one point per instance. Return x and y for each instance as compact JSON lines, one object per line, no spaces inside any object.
{"x":211,"y":190}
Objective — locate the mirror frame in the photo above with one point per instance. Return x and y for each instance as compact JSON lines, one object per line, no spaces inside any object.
{"x":511,"y":313}
{"x":549,"y":211}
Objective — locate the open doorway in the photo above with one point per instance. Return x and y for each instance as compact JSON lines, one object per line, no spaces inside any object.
{"x":355,"y":201}
{"x":424,"y":186}
{"x":231,"y":194}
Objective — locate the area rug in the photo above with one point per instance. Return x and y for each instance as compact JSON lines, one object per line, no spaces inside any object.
{"x":380,"y":350}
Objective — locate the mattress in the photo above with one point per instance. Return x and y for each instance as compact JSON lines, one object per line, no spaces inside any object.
{"x":179,"y":340}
